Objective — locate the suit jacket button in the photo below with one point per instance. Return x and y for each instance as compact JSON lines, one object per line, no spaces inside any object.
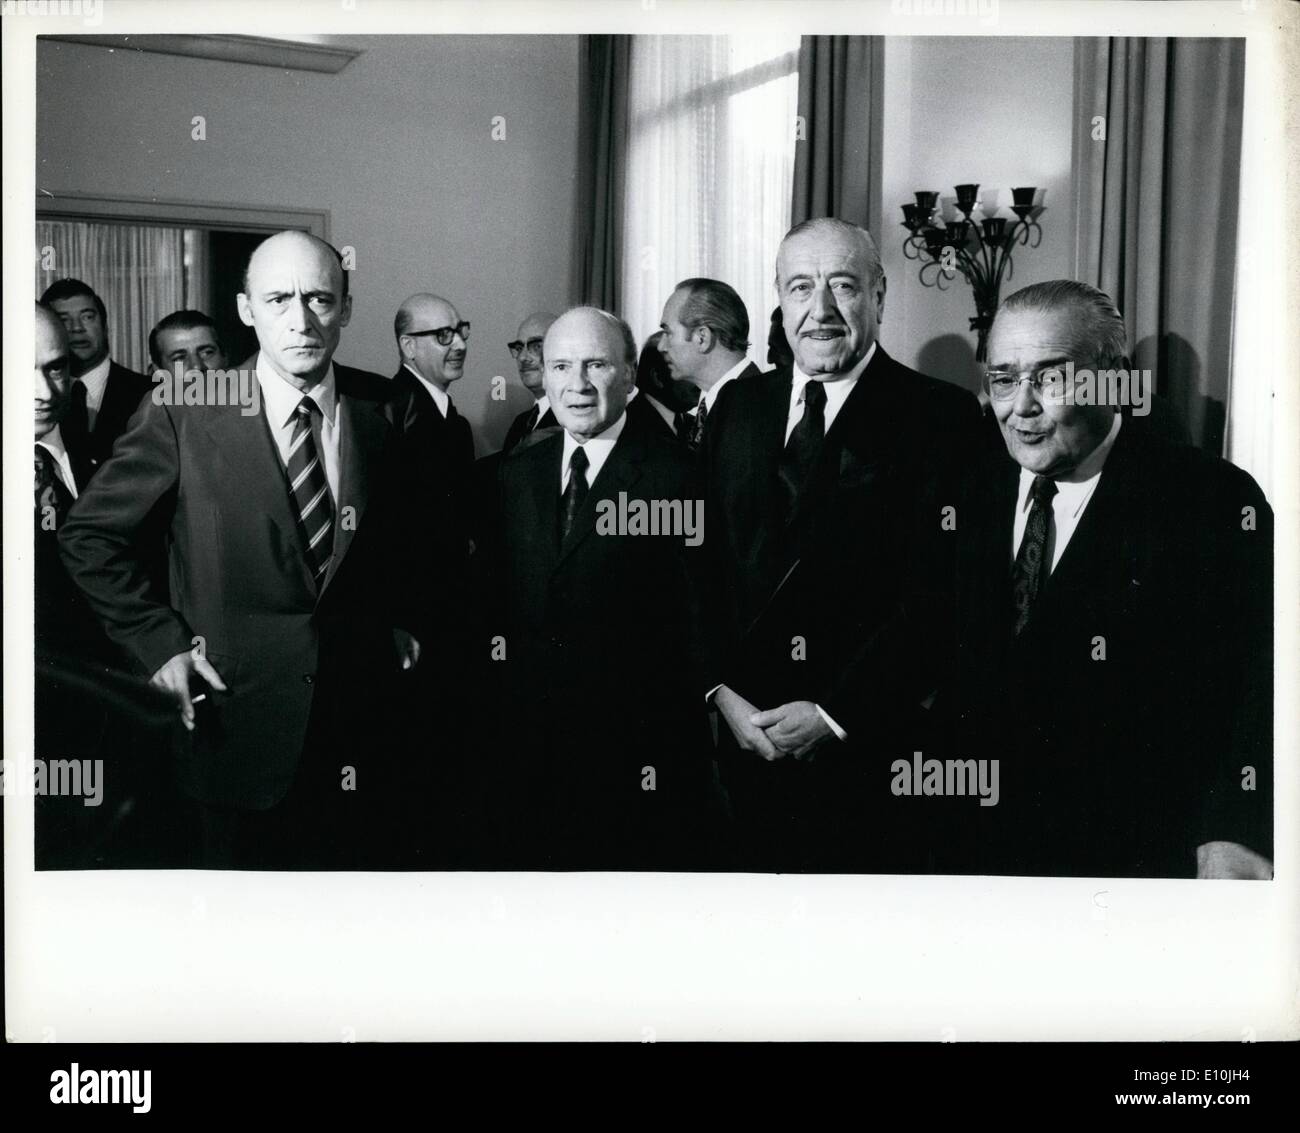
{"x":308,"y":678}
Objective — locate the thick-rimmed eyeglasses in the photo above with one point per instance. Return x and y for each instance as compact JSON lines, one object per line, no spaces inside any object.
{"x":1052,"y":383}
{"x":444,"y":335}
{"x":516,"y":348}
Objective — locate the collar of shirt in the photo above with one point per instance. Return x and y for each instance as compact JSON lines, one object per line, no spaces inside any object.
{"x":1072,"y":495}
{"x":52,"y":442}
{"x":837,"y":391}
{"x":597,"y":449}
{"x":440,"y":397}
{"x":543,"y":404}
{"x":281,"y":398}
{"x":95,"y":380}
{"x":710,"y":395}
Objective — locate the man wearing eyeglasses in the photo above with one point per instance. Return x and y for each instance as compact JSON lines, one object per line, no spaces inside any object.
{"x":433,"y":341}
{"x":526,"y":350}
{"x":1117,"y":621}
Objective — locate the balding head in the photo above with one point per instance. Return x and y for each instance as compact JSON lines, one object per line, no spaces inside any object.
{"x":295,"y":298}
{"x":832,"y":293}
{"x":527,"y":349}
{"x":590,"y":368}
{"x":420,"y":321}
{"x":53,"y":371}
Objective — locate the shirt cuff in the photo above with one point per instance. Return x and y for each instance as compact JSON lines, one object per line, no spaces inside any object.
{"x":840,"y":733}
{"x":708,"y":696}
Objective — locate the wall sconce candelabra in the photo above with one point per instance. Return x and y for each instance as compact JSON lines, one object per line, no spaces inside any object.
{"x":974,"y":242}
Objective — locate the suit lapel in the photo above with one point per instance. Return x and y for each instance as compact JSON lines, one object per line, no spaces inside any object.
{"x":361,"y":438}
{"x":252,"y":466}
{"x":618,"y":474}
{"x":542,"y":482}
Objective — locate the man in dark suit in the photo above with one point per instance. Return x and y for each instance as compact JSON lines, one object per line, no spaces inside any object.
{"x":280,"y":625}
{"x":1116,"y":645}
{"x":104,"y":394}
{"x":659,"y":402}
{"x":705,"y":333}
{"x":610,"y":768}
{"x":526,"y":350}
{"x":830,"y":575}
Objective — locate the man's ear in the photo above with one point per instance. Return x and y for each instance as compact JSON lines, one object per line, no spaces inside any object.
{"x":345,"y":316}
{"x":704,"y":338}
{"x":245,"y":311}
{"x":406,"y":344}
{"x":880,"y":299}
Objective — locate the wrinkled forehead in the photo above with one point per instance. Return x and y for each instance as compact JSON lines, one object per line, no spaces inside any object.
{"x":183,"y":338}
{"x":822,"y":253}
{"x":1027,"y":338}
{"x":76,"y":305}
{"x":583,"y":337}
{"x":295,"y":267}
{"x":434,"y":315}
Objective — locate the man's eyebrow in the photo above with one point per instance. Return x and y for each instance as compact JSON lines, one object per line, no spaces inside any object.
{"x":1053,"y":360}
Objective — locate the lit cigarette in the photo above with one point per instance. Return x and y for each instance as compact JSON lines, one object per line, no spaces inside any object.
{"x":196,"y":699}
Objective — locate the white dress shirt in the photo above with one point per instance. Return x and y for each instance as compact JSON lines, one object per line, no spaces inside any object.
{"x":597,"y":449}
{"x":543,"y":405}
{"x":1072,"y":495}
{"x":95,"y":381}
{"x":52,"y":442}
{"x":837,"y":392}
{"x":440,"y":397}
{"x":281,"y":400}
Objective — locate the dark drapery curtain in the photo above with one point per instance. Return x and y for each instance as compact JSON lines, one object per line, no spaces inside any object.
{"x":1156,"y":200}
{"x":837,"y":160}
{"x":604,"y":70}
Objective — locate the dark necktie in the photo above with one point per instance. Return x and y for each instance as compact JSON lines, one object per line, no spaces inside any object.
{"x":311,"y":492}
{"x":76,"y":425}
{"x":1029,"y":570}
{"x":575,"y":491}
{"x":50,"y":490}
{"x":695,"y":433}
{"x":805,"y":443}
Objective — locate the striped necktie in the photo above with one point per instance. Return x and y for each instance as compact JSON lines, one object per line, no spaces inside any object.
{"x":311,"y":491}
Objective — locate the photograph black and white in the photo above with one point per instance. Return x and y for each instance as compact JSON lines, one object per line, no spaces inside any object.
{"x":737,"y":450}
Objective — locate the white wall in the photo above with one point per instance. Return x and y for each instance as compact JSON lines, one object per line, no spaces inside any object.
{"x":990,"y":110}
{"x":397,"y":147}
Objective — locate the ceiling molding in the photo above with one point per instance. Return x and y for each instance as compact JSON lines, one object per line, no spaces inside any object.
{"x":259,"y":51}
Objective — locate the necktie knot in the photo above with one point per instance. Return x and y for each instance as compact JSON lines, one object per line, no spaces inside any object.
{"x":1042,"y":490}
{"x":578,"y":462}
{"x":307,"y":407}
{"x":814,"y":395}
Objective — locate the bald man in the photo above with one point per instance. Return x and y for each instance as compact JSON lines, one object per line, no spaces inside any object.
{"x":280,"y":621}
{"x":609,"y":743}
{"x":526,"y":349}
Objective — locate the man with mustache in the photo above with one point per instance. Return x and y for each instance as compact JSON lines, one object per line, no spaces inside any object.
{"x":526,"y":350}
{"x":830,"y":578}
{"x":104,"y":394}
{"x":1116,"y":610}
{"x":283,"y":623}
